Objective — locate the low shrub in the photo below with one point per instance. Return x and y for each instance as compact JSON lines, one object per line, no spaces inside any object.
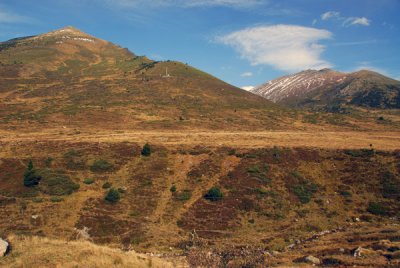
{"x":184,"y":195}
{"x":305,"y":191}
{"x":107,"y":185}
{"x":112,"y":196}
{"x":88,"y":181}
{"x":377,"y":208}
{"x":58,"y":184}
{"x":360,"y":153}
{"x":56,"y":199}
{"x":214,"y":194}
{"x":101,"y":165}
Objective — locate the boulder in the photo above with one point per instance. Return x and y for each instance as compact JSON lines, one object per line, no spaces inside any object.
{"x":312,"y":260}
{"x":4,"y":247}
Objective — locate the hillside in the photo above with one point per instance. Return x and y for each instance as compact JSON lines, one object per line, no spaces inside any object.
{"x":328,"y":88}
{"x":271,"y":198}
{"x":69,"y":78}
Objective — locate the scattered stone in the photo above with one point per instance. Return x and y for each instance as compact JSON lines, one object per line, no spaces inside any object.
{"x":4,"y":247}
{"x":36,"y":220}
{"x":312,"y":260}
{"x":83,"y":234}
{"x":275,"y":253}
{"x":362,"y":252}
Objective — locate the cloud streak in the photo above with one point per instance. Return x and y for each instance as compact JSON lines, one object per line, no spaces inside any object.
{"x":346,"y":21}
{"x":247,"y":74}
{"x":186,"y":3}
{"x":284,"y":47}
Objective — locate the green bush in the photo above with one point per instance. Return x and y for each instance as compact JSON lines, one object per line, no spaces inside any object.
{"x":376,"y":208}
{"x":31,"y":177}
{"x":101,"y":165}
{"x":112,"y":196}
{"x":214,"y":194}
{"x":88,"y":181}
{"x":56,"y":199}
{"x":56,"y":183}
{"x":305,"y":191}
{"x":146,"y":151}
{"x":184,"y":195}
{"x":107,"y":185}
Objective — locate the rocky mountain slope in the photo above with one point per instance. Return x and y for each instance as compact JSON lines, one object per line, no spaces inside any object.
{"x":329,"y":88}
{"x":71,"y":77}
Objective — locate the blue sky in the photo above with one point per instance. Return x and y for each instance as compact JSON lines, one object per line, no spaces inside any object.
{"x":242,"y":42}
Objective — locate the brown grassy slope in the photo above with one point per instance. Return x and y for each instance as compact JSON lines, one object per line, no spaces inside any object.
{"x":63,"y":77}
{"x":44,"y":252}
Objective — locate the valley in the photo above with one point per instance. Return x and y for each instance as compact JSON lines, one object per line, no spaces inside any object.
{"x":124,"y":161}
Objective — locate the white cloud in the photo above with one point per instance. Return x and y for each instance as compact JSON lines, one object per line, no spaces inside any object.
{"x":330,"y":14}
{"x":346,"y":21}
{"x":187,"y":3}
{"x":9,"y":17}
{"x":285,"y":47}
{"x":246,"y":74}
{"x":357,"y":21}
{"x":247,"y":88}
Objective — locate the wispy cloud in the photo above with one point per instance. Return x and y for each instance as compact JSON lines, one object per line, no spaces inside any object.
{"x":330,"y":14}
{"x":363,"y":21}
{"x":187,"y":3}
{"x":285,"y":47}
{"x":10,"y":17}
{"x":346,"y":21}
{"x":247,"y":74}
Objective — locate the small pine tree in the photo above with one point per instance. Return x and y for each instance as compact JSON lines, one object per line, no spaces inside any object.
{"x":112,"y":196}
{"x":214,"y":194}
{"x":31,"y":178}
{"x":146,"y":151}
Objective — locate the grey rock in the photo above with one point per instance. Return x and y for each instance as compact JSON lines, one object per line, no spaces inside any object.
{"x":312,"y":260}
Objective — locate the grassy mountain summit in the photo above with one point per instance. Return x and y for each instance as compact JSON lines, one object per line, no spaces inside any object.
{"x":71,"y":77}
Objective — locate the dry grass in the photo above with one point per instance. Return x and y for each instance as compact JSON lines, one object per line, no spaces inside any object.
{"x":44,"y":252}
{"x":240,"y":139}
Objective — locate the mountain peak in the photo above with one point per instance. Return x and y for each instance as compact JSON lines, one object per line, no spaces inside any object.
{"x":68,"y":30}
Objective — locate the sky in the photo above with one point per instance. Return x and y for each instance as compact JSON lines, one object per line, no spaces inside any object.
{"x":245,"y":43}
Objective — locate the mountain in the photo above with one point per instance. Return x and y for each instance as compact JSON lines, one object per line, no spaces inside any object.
{"x":326,"y":87}
{"x":69,"y":78}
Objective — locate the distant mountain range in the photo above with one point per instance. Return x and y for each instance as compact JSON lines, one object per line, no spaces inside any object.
{"x":329,"y":88}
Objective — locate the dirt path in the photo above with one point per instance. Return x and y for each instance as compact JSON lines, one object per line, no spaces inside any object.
{"x":317,"y":139}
